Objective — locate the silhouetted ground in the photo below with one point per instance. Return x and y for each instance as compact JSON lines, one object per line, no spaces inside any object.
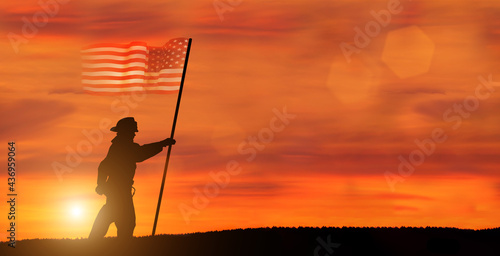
{"x":280,"y":241}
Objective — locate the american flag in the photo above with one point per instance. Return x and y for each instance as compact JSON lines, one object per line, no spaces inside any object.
{"x":113,"y":69}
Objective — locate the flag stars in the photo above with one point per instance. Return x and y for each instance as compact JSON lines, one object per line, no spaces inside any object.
{"x":170,"y":55}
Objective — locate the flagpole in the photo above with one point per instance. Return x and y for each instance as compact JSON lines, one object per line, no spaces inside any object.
{"x":171,"y":136}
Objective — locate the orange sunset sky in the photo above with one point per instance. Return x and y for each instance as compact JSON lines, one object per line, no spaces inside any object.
{"x":337,"y":162}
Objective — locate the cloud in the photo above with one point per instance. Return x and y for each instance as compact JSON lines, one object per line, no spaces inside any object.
{"x":399,"y":196}
{"x":244,"y":189}
{"x":435,"y":108}
{"x":417,"y":91}
{"x":64,"y":21}
{"x":28,"y":118}
{"x":67,"y":90}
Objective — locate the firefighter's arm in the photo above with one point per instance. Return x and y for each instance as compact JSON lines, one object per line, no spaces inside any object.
{"x":102,"y":177}
{"x":148,"y":150}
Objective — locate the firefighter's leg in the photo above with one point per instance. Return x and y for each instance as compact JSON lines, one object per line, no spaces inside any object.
{"x":125,"y":224}
{"x":101,"y":223}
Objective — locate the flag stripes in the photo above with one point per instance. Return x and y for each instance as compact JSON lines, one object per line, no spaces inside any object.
{"x":111,"y":69}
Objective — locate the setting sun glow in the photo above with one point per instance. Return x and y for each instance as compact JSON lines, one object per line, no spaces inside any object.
{"x":76,"y":212}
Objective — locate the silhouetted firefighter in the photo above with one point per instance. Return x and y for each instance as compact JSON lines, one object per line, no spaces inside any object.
{"x":116,"y":176}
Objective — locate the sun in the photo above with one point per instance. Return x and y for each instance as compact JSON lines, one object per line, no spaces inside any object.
{"x":76,"y":212}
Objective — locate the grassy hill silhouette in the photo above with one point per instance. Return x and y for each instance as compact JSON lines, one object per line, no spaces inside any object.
{"x":326,"y":241}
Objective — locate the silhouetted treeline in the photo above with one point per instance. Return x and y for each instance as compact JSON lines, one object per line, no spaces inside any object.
{"x":325,"y":241}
